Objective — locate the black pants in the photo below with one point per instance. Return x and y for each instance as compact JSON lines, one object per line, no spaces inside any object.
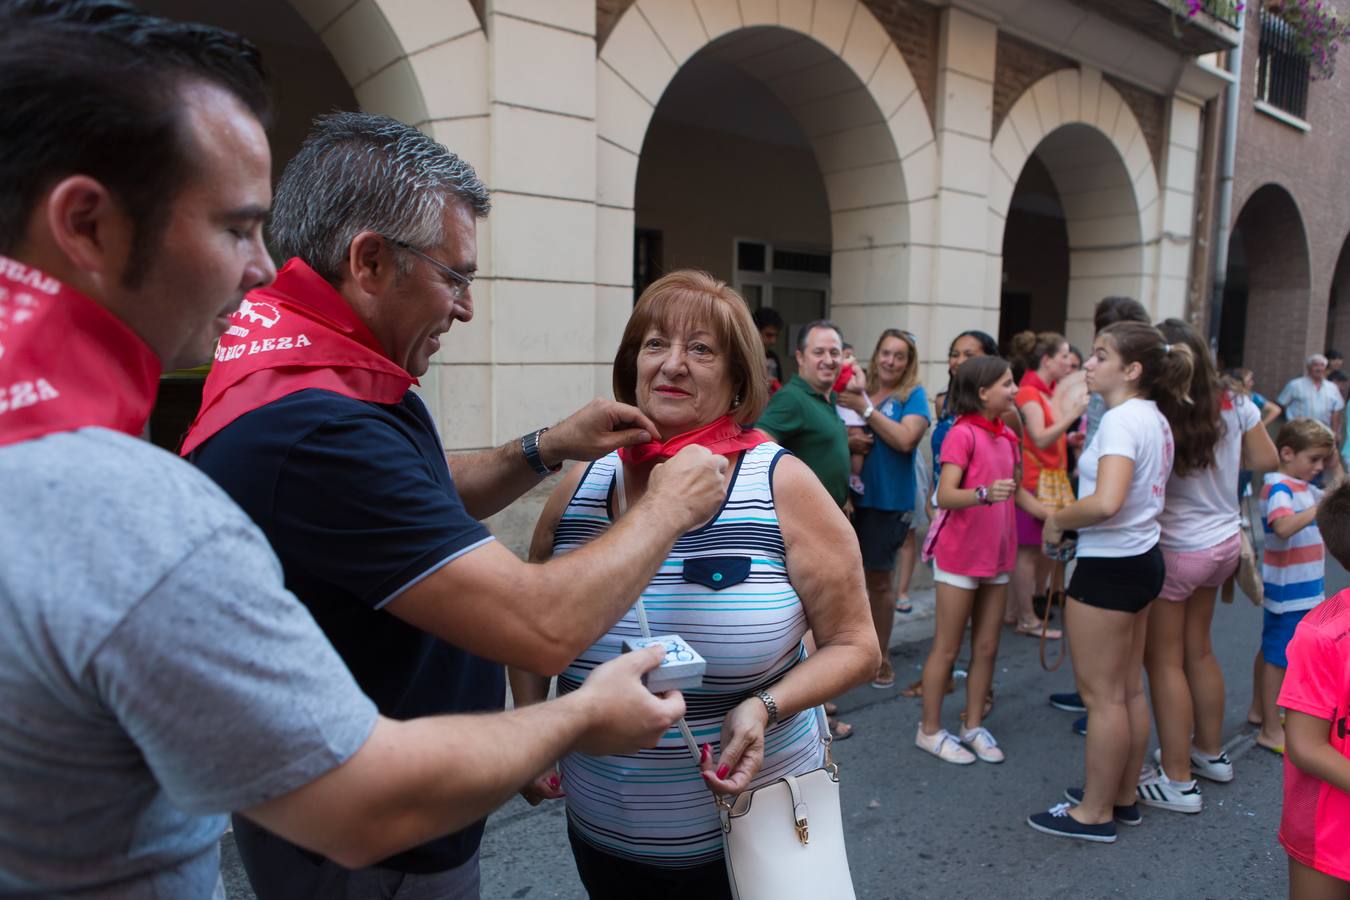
{"x":608,"y":877}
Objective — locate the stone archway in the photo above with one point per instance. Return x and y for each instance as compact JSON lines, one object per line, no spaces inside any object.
{"x":858,"y":106}
{"x":1096,"y":153}
{"x":1264,"y":323}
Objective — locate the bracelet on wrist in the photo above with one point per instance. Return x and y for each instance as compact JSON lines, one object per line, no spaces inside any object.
{"x":770,"y":705}
{"x":529,"y":445}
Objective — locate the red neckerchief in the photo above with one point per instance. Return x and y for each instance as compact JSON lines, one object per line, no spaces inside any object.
{"x":995,"y":427}
{"x":297,"y":333}
{"x":1030,"y":378}
{"x":722,"y":436}
{"x":66,"y":362}
{"x":1225,"y":400}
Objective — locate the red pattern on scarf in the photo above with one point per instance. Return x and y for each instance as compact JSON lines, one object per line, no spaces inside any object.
{"x":297,"y":333}
{"x":722,"y":436}
{"x":66,"y":362}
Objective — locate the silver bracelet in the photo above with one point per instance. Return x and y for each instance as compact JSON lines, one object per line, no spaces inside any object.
{"x":769,"y":704}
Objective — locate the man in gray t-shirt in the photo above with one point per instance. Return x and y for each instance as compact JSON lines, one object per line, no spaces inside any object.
{"x":154,"y":672}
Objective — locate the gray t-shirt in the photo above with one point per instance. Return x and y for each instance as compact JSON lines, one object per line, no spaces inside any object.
{"x":154,"y":673}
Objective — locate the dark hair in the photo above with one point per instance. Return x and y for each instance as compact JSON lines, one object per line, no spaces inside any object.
{"x":1078,"y":353}
{"x":1166,"y":368}
{"x":1111,"y":310}
{"x":1334,"y":354}
{"x":1031,"y":347}
{"x":988,"y":346}
{"x":970,"y":378}
{"x":1333,"y":520}
{"x":1197,"y":425}
{"x":93,"y":87}
{"x":1337,"y":376}
{"x":812,"y":326}
{"x":766,"y":316}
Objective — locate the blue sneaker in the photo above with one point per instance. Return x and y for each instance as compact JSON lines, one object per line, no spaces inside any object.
{"x":1058,"y":822}
{"x":1068,"y":702}
{"x":1080,"y":726}
{"x":1124,"y":815}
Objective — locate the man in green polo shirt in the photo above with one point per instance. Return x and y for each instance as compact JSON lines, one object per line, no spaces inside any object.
{"x":802,"y":417}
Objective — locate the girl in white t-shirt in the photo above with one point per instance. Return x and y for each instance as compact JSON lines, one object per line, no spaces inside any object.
{"x":1200,"y":542}
{"x":1123,"y":476}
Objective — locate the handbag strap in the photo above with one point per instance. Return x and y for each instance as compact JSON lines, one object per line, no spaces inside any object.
{"x":621,"y":507}
{"x":1056,"y":594}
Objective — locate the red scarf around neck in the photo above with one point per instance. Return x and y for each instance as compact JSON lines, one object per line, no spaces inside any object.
{"x":295,"y":334}
{"x":722,"y":436}
{"x":996,"y":427}
{"x":1031,"y":379}
{"x":66,"y":362}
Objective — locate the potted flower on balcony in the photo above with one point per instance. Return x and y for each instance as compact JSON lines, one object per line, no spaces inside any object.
{"x":1316,"y":30}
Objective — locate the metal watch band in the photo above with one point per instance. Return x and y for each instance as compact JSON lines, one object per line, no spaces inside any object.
{"x":982,"y":494}
{"x":529,"y":445}
{"x":769,"y":704}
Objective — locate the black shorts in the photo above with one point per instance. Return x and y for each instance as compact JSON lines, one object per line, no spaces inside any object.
{"x":880,"y":534}
{"x":1122,"y":583}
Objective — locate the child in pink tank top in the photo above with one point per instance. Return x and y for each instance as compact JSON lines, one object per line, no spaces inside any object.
{"x":973,"y":543}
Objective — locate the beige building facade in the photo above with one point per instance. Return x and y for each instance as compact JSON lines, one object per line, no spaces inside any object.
{"x":888,"y":163}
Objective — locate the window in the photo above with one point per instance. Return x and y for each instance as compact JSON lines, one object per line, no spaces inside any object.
{"x":1282,"y":72}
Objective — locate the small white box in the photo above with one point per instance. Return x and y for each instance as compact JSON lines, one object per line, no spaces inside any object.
{"x":682,"y":668}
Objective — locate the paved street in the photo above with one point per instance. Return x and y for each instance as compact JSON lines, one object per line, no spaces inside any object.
{"x":917,"y":827}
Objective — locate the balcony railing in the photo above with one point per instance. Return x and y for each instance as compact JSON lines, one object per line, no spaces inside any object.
{"x":1282,"y":71}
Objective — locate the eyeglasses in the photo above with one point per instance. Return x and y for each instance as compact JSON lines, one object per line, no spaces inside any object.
{"x":462,"y":282}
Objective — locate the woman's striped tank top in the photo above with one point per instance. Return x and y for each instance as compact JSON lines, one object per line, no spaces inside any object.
{"x":653,"y":807}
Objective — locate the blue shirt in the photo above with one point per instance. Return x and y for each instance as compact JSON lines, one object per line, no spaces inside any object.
{"x":888,"y":474}
{"x":358,"y":503}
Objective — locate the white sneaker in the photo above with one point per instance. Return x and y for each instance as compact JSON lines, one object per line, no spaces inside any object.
{"x":1215,"y":768}
{"x":983,"y":745}
{"x":1159,"y":791}
{"x":944,"y":746}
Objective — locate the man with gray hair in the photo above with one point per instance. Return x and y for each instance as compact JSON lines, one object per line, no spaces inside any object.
{"x":1313,"y":396}
{"x":309,"y":423}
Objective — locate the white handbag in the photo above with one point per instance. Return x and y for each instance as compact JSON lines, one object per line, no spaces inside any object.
{"x":784,"y":840}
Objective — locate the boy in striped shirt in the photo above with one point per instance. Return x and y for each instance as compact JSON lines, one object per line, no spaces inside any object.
{"x":1293,"y":563}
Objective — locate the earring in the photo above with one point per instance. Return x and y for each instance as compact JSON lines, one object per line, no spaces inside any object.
{"x":736,"y":401}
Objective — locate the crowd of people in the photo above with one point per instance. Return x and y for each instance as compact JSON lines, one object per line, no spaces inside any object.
{"x":303,"y":622}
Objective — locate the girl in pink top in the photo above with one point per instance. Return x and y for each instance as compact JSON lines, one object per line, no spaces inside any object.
{"x":973,"y":542}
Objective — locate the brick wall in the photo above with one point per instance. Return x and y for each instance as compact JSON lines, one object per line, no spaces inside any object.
{"x":913,"y":26}
{"x":1017,"y":66}
{"x":1311,"y":167}
{"x":1151,"y":111}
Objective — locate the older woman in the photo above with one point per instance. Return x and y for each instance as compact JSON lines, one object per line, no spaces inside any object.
{"x":742,"y":589}
{"x":896,"y":409}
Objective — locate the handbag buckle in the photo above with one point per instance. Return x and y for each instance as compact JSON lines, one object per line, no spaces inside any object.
{"x":803,"y":833}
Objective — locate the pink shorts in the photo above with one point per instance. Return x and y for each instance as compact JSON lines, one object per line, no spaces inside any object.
{"x":1208,"y":568}
{"x":1029,"y":529}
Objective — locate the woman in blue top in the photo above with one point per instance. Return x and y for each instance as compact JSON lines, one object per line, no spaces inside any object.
{"x":895,"y":408}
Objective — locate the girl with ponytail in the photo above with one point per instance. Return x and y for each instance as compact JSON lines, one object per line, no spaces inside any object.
{"x":1201,"y":543}
{"x":1123,"y":476}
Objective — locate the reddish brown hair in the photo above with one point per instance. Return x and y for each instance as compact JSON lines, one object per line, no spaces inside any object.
{"x":686,"y":296}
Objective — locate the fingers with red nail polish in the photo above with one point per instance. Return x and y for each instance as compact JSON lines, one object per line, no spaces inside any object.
{"x":724,"y":771}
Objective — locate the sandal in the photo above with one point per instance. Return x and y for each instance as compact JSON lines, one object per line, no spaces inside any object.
{"x":839,"y":731}
{"x":988,"y":708}
{"x":915,"y":688}
{"x":1035,"y":630}
{"x":885,"y":677}
{"x":903,"y":604}
{"x":831,"y":708}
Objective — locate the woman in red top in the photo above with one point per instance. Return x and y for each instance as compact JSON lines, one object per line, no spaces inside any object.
{"x":1045,"y":463}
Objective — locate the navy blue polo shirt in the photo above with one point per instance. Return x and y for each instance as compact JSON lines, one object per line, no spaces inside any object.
{"x":358,"y":503}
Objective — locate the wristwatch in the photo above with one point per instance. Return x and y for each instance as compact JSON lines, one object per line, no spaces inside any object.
{"x":982,"y":494}
{"x":529,"y":445}
{"x":769,"y":704}
{"x":867,"y":413}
